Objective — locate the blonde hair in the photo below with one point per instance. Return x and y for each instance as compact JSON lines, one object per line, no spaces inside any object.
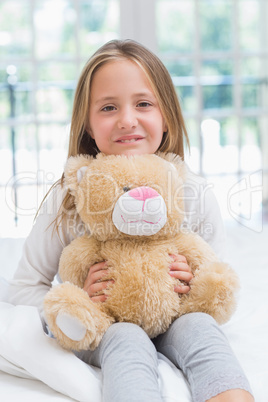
{"x":81,"y":142}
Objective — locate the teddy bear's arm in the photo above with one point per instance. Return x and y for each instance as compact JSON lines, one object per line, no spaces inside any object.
{"x":195,"y":250}
{"x":77,"y":258}
{"x":214,"y":286}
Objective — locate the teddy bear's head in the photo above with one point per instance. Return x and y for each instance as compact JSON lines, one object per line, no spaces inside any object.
{"x":119,"y":196}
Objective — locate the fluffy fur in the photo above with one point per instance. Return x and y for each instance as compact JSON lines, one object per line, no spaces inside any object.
{"x":143,"y":291}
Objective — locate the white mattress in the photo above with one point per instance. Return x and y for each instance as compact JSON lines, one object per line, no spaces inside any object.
{"x":33,"y":367}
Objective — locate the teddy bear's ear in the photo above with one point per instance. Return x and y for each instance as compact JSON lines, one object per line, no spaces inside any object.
{"x":75,"y":168}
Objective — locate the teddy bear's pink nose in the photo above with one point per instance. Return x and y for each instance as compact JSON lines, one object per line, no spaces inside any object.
{"x":143,"y":193}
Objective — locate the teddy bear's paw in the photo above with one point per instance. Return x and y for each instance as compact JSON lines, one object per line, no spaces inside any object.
{"x":213,"y":291}
{"x":71,"y":326}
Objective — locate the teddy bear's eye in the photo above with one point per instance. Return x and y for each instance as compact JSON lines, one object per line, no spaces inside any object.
{"x":126,"y":188}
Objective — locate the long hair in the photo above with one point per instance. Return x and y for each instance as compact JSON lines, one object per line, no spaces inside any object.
{"x":81,"y":142}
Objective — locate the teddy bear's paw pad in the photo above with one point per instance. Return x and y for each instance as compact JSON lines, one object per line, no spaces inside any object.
{"x":71,"y":326}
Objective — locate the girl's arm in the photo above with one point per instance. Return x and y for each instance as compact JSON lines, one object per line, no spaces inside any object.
{"x":39,"y":261}
{"x":203,"y":214}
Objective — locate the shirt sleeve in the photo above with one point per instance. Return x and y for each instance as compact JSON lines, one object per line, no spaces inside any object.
{"x":40,"y":257}
{"x":202,"y":213}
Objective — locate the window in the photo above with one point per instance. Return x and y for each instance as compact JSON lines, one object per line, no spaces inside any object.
{"x":43,"y":46}
{"x":217,"y":54}
{"x":215,"y":50}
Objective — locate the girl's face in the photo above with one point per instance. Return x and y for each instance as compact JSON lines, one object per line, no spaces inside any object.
{"x":124,"y":115}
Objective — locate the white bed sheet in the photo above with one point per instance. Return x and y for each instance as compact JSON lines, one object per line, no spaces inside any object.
{"x":33,"y":367}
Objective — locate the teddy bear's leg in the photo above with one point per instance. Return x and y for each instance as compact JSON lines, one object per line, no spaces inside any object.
{"x":213,"y":291}
{"x":73,"y":318}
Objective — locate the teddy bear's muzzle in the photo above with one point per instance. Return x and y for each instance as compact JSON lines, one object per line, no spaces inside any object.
{"x":140,"y":212}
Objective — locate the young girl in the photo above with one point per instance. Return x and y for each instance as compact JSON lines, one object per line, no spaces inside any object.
{"x":125,"y":103}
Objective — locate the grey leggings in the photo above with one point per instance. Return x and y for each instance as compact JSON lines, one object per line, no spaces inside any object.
{"x":194,"y":343}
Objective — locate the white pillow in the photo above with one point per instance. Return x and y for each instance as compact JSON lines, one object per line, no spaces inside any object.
{"x":3,"y":289}
{"x":24,"y":344}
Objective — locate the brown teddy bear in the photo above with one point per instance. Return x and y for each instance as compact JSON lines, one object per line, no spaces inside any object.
{"x":132,"y":209}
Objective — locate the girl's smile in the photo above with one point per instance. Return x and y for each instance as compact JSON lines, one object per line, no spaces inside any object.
{"x":124,"y":115}
{"x":130,"y":138}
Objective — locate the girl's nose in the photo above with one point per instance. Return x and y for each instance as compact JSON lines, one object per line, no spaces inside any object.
{"x":127,"y":120}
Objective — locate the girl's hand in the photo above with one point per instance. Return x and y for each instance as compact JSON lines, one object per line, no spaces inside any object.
{"x":95,"y":284}
{"x":179,"y":269}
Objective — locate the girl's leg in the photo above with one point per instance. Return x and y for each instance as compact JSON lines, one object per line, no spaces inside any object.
{"x":128,"y":360}
{"x":196,"y":344}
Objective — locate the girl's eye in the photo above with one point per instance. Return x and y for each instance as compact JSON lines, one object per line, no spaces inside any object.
{"x":108,"y":108}
{"x":144,"y":104}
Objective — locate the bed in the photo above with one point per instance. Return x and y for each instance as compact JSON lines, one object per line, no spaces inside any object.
{"x":33,"y":367}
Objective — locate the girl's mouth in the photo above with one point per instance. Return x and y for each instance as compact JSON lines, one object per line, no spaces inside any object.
{"x":132,"y":140}
{"x":129,"y":138}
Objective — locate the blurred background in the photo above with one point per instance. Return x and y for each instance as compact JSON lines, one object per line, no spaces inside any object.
{"x":216,"y":52}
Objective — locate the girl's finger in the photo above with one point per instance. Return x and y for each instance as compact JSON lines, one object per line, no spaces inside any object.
{"x":182,"y":289}
{"x":180,"y":266}
{"x":178,"y":258}
{"x":96,"y":288}
{"x":98,"y":299}
{"x":97,"y":267}
{"x":182,"y":275}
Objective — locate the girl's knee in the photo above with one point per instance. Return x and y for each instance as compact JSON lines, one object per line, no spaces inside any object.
{"x":196,"y":320}
{"x":193,"y":325}
{"x":129,"y":338}
{"x":125,"y":331}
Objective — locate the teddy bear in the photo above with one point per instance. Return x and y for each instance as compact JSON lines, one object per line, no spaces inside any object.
{"x":132,"y":210}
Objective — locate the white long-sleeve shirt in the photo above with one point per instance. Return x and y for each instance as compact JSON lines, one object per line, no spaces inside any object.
{"x":42,"y":249}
